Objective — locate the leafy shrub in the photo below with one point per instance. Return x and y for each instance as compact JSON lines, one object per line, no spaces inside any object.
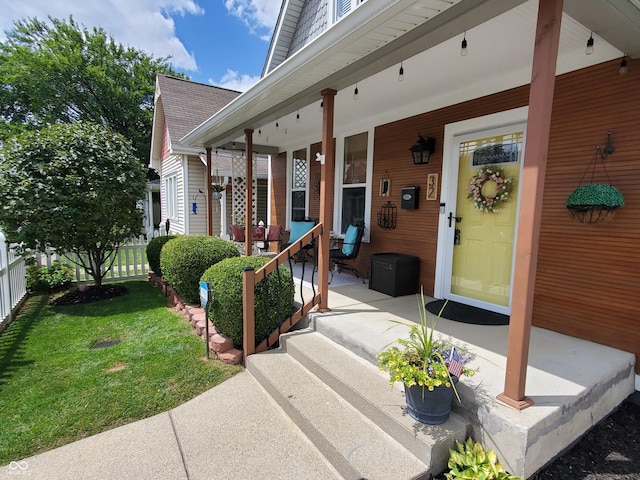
{"x":470,"y":462}
{"x":39,"y":279}
{"x":595,"y":194}
{"x":153,"y":252}
{"x":184,"y":259}
{"x":225,"y":309}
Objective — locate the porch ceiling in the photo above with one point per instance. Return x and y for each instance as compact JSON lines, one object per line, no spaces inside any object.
{"x":367,"y":47}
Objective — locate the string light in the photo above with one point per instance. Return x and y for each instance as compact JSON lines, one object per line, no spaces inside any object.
{"x":355,"y":93}
{"x":277,"y":125}
{"x":401,"y":73}
{"x":623,"y":65}
{"x":298,"y":117}
{"x":589,"y":48}
{"x":463,"y":45}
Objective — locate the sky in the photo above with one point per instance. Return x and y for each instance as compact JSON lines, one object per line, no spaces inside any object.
{"x":218,"y":42}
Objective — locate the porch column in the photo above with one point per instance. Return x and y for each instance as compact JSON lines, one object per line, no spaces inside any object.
{"x":327,"y":170}
{"x":543,"y":76}
{"x":248,"y":216}
{"x":209,"y":190}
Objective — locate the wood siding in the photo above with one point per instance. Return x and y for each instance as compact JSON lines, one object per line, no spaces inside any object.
{"x":278,"y":174}
{"x":588,"y":276}
{"x":173,"y":166}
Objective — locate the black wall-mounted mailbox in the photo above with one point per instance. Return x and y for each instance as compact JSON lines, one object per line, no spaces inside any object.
{"x":410,"y":198}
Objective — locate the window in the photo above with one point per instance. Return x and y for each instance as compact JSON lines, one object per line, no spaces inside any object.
{"x":354,"y":180}
{"x":171,"y":193}
{"x":300,"y":173}
{"x":343,"y":7}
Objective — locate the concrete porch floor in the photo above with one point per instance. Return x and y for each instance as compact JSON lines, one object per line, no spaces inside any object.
{"x":573,"y":383}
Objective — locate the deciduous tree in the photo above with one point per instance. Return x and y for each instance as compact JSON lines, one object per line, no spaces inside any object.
{"x":73,"y":187}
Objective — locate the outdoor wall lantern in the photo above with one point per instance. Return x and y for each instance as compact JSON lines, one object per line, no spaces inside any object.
{"x":423,"y":149}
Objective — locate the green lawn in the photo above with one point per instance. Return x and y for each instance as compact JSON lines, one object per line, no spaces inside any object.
{"x":54,"y":388}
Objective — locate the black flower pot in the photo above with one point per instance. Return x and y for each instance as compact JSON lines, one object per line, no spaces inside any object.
{"x":429,"y":406}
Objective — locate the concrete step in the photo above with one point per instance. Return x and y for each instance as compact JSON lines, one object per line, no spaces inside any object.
{"x":347,"y":409}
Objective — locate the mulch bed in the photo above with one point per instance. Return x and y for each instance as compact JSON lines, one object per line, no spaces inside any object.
{"x":609,"y":451}
{"x":91,"y":294}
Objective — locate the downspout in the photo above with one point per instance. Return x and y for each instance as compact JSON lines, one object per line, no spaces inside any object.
{"x":209,"y":190}
{"x":543,"y":77}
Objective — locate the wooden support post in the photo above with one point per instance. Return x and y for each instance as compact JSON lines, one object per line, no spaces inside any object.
{"x":248,"y":217}
{"x":209,"y":193}
{"x":327,"y":170}
{"x":248,"y":312}
{"x":543,"y":76}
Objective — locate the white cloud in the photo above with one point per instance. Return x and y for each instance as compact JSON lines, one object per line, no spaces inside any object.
{"x":142,"y":24}
{"x":235,"y":81}
{"x":259,"y":16}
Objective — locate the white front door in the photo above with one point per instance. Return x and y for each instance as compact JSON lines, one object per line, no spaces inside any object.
{"x":478,"y":217}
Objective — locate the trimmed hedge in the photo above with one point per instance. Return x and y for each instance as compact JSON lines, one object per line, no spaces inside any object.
{"x":225,"y":309}
{"x":153,"y":252}
{"x":184,"y":259}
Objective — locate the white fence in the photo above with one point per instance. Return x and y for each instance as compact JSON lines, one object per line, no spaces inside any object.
{"x":131,"y":262}
{"x":13,"y":286}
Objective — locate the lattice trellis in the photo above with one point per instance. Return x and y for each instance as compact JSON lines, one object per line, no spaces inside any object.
{"x":299,"y":173}
{"x":239,"y":183}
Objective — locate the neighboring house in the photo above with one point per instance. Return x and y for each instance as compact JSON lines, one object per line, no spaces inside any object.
{"x":387,"y":72}
{"x":180,"y":106}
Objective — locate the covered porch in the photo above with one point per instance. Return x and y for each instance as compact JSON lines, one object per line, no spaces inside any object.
{"x":573,"y":383}
{"x":343,"y":85}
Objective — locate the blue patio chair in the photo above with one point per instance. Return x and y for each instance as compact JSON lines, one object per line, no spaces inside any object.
{"x":348,"y":250}
{"x":298,"y":230}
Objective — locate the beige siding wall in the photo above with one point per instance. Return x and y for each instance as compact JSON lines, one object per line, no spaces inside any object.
{"x":172,"y":166}
{"x":197,"y":182}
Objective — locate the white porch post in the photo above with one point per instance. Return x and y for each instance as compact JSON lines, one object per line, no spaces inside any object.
{"x":248,"y":224}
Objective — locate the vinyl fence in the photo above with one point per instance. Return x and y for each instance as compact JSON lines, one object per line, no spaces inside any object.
{"x":131,"y":262}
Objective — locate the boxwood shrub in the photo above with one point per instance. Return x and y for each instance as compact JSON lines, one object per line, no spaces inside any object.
{"x":184,"y":259}
{"x":153,"y":252}
{"x":225,"y":309}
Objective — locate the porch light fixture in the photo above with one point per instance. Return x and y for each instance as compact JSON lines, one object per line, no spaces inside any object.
{"x":423,"y":149}
{"x":463,"y":46}
{"x":623,"y":65}
{"x":401,"y":73}
{"x":589,"y":48}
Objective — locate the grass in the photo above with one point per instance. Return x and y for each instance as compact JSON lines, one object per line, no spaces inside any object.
{"x":55,"y":389}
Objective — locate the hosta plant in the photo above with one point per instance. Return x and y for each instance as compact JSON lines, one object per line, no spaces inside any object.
{"x":469,"y":461}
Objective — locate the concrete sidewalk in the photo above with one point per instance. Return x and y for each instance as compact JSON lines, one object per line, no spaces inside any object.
{"x":233,"y":431}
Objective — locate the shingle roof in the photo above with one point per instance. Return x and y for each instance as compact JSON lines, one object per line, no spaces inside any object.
{"x":187,"y":104}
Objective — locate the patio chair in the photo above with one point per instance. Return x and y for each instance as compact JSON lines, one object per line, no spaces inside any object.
{"x":347,"y":252}
{"x":298,"y":230}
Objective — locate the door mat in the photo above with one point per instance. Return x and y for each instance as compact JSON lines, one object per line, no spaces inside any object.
{"x":467,"y":314}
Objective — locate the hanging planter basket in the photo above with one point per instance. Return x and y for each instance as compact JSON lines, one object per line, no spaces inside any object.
{"x":594,"y":203}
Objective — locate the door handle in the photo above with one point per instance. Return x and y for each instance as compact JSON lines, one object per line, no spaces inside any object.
{"x":451,"y":217}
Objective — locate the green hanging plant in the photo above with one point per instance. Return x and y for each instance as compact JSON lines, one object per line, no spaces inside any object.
{"x":595,"y":202}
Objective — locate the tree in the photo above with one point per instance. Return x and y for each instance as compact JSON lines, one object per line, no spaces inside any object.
{"x":73,"y":187}
{"x":62,"y":72}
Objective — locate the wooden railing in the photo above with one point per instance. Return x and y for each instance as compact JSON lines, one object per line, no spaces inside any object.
{"x":252,"y":277}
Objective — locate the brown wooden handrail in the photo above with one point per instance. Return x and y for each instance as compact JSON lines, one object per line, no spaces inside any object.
{"x":249,"y":279}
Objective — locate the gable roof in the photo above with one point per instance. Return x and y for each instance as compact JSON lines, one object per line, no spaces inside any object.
{"x":183,"y":105}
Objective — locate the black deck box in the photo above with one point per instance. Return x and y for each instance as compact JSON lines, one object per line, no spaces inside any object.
{"x":395,"y":274}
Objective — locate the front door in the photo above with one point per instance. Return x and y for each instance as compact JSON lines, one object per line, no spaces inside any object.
{"x":481,"y":217}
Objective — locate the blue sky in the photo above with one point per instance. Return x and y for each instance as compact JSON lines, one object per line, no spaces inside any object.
{"x":220,"y":42}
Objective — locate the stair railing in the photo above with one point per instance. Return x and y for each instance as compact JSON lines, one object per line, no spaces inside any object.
{"x":250,"y":279}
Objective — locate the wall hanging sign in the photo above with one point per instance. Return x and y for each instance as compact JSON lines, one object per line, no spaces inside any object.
{"x":489,"y":189}
{"x":432,"y":186}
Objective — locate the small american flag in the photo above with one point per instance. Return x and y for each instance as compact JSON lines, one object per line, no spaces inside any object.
{"x":455,"y":366}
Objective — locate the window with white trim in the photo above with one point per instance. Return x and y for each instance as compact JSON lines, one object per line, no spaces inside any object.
{"x":171,"y":195}
{"x":299,"y":181}
{"x":343,"y":7}
{"x":354,"y":180}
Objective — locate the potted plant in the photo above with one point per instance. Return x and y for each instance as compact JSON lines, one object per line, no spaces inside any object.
{"x":429,"y":368}
{"x":594,"y":203}
{"x":217,"y":191}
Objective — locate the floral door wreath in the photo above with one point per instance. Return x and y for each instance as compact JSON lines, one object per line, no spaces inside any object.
{"x":489,"y":189}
